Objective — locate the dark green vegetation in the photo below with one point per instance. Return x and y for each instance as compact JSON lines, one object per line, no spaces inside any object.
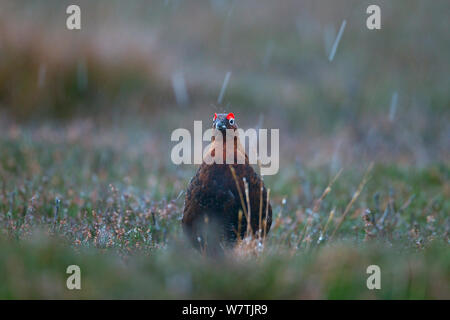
{"x":85,"y":170}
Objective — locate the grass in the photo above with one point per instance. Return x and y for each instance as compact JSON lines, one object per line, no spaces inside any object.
{"x":116,"y":213}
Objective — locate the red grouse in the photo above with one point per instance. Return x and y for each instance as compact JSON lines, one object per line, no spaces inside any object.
{"x":216,"y":210}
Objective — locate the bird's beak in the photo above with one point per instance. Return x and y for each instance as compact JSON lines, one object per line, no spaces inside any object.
{"x":220,"y":125}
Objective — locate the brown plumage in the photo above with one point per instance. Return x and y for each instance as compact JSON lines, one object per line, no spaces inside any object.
{"x":211,"y":217}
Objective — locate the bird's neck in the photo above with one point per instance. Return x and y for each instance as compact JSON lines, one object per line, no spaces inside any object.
{"x":234,"y":150}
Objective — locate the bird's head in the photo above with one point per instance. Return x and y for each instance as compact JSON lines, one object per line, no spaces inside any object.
{"x":224,"y":121}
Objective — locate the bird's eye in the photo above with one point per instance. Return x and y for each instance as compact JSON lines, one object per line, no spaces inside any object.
{"x":231,"y":121}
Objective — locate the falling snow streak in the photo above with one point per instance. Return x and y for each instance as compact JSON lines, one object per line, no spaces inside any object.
{"x":393,"y":108}
{"x":338,"y":39}
{"x":179,"y":88}
{"x":224,"y":87}
{"x":268,"y":54}
{"x":224,"y":39}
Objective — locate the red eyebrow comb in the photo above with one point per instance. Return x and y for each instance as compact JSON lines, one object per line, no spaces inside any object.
{"x":215,"y":116}
{"x":230,"y":115}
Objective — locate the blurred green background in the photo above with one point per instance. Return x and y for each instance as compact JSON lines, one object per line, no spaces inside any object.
{"x":85,"y":123}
